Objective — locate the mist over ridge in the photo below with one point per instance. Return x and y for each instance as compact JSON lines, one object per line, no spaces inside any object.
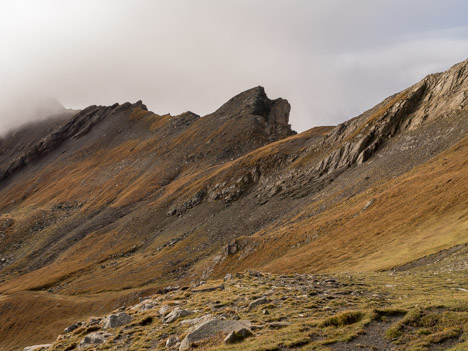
{"x":331,"y":59}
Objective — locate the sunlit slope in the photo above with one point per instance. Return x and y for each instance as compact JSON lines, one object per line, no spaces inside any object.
{"x":116,"y":200}
{"x":416,"y":214}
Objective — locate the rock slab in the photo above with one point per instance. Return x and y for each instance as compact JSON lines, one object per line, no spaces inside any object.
{"x":210,"y":328}
{"x":117,"y":320}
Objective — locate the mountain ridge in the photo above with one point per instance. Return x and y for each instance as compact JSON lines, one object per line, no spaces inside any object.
{"x":115,"y":202}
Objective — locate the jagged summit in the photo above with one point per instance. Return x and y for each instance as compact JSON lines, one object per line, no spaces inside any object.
{"x":255,"y":102}
{"x":252,"y":101}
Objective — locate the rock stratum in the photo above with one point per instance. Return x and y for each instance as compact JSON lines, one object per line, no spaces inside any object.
{"x":105,"y":206}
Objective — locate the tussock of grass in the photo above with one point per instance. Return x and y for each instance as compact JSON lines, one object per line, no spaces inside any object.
{"x":343,"y":319}
{"x":444,"y":335}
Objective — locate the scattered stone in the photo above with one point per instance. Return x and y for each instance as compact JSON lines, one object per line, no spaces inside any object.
{"x":198,"y":320}
{"x":231,"y":249}
{"x":37,"y":347}
{"x":257,"y":326}
{"x":265,"y":311}
{"x":72,"y":327}
{"x":175,"y":314}
{"x":117,"y":320}
{"x":170,"y":288}
{"x":95,"y":338}
{"x":212,"y":288}
{"x":164,"y":310}
{"x":148,"y":306}
{"x":257,"y":302}
{"x":227,"y":277}
{"x":278,"y":325}
{"x":367,"y":205}
{"x":94,"y":321}
{"x":236,"y":336}
{"x":172,"y":341}
{"x":211,"y":328}
{"x":171,"y":212}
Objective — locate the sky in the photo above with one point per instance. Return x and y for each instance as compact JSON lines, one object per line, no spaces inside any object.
{"x":332,"y":59}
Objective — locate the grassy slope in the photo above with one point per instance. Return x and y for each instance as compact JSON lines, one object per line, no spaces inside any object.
{"x":416,"y":214}
{"x":415,"y":311}
{"x":427,"y":213}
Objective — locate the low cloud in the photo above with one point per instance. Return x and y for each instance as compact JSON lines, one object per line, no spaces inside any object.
{"x":330,"y":59}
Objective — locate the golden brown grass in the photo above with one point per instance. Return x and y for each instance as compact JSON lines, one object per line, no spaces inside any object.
{"x":419,"y":213}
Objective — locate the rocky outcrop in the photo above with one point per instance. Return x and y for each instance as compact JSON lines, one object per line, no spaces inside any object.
{"x":238,"y":335}
{"x":356,"y":141}
{"x":117,"y":320}
{"x":175,"y":314}
{"x":436,"y":96}
{"x":79,"y":125}
{"x":221,"y":186}
{"x":255,"y":102}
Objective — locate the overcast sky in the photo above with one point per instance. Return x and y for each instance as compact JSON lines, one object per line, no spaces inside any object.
{"x":332,"y":59}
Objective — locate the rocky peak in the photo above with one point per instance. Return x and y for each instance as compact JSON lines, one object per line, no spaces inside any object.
{"x":255,"y":102}
{"x":436,"y":96}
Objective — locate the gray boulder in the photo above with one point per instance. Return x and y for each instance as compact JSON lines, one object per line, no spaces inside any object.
{"x":239,"y":335}
{"x":210,"y":328}
{"x":199,"y":320}
{"x":37,"y":347}
{"x":117,"y":320}
{"x":258,"y":302}
{"x":175,"y":314}
{"x":164,"y":310}
{"x":72,"y":327}
{"x":172,"y":341}
{"x":95,"y":338}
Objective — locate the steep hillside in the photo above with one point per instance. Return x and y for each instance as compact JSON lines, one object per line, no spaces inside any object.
{"x":99,"y":208}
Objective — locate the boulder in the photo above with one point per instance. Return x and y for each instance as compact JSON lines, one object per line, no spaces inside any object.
{"x":72,"y":327}
{"x":198,"y":320}
{"x":37,"y":347}
{"x":278,"y":325}
{"x":117,"y":320}
{"x":257,"y":302}
{"x":95,"y":338}
{"x":175,"y":314}
{"x":164,"y":310}
{"x":172,"y":341}
{"x":239,"y":335}
{"x":211,"y":328}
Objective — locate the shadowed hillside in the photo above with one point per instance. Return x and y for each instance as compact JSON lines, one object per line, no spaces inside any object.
{"x":112,"y":203}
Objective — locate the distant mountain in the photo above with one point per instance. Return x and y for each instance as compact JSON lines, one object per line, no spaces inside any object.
{"x":15,"y":112}
{"x":101,"y":206}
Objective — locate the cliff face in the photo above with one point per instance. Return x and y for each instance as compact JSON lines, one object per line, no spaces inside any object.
{"x":437,"y":96}
{"x":113,"y":201}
